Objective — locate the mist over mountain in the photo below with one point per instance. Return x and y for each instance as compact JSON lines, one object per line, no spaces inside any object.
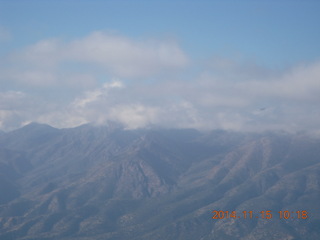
{"x":106,"y":182}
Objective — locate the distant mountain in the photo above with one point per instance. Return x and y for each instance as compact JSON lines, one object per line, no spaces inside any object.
{"x":105,"y":182}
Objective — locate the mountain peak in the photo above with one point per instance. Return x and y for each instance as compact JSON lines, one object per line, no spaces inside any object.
{"x":30,"y":135}
{"x":36,"y":125}
{"x":98,"y":182}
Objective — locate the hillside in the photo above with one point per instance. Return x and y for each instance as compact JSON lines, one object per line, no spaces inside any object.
{"x":106,"y":182}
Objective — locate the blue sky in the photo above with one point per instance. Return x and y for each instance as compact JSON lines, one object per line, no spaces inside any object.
{"x":273,"y":32}
{"x":203,"y":64}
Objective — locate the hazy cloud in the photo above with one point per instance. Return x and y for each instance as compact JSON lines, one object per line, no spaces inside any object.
{"x":127,"y":58}
{"x":209,"y":102}
{"x":298,"y":83}
{"x":54,"y":62}
{"x":5,"y":35}
{"x":16,"y":108}
{"x":99,"y":74}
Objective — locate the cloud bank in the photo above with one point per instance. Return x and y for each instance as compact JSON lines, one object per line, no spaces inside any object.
{"x":149,"y":82}
{"x":54,"y":62}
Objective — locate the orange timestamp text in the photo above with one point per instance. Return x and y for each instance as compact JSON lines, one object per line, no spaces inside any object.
{"x":219,"y":214}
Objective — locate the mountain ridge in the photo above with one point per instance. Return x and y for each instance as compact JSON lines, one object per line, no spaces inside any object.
{"x":96,"y":182}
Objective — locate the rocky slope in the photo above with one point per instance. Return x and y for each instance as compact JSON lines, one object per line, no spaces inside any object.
{"x":109,"y":183}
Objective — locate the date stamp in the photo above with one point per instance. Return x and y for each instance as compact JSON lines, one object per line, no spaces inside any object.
{"x":219,"y":214}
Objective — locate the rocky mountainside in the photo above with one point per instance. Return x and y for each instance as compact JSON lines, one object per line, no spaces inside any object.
{"x":110,"y":183}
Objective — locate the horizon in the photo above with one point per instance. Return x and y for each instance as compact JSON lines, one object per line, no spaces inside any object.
{"x":244,"y":66}
{"x":122,"y":127}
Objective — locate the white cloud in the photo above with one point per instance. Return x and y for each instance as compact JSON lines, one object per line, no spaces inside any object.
{"x":15,"y":108}
{"x":124,"y":57}
{"x":95,"y":95}
{"x":61,"y":118}
{"x":299,"y":83}
{"x":11,"y":99}
{"x":44,"y":54}
{"x":36,"y":78}
{"x":134,"y":115}
{"x":53,"y":62}
{"x":226,"y":94}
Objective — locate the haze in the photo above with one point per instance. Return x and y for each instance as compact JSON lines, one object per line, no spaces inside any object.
{"x":244,"y":66}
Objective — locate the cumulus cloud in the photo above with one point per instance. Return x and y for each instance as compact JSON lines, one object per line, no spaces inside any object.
{"x":127,"y":58}
{"x":53,"y":62}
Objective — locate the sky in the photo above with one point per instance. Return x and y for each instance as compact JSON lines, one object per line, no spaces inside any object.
{"x":249,"y":65}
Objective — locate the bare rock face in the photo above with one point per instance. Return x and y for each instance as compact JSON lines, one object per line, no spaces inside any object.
{"x":109,"y":183}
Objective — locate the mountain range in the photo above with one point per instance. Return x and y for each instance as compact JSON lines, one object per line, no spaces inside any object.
{"x":110,"y":183}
